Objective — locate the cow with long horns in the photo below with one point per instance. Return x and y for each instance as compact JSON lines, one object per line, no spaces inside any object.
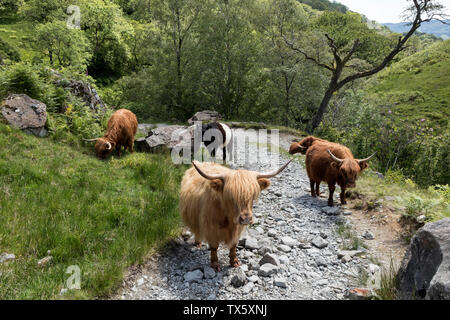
{"x":216,"y":204}
{"x":122,"y":127}
{"x":333,"y":163}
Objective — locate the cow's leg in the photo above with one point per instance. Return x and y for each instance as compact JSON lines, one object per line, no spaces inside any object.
{"x":198,"y":243}
{"x":331,"y":188}
{"x":234,"y":261}
{"x":214,"y":258}
{"x":317,"y":188}
{"x":311,"y":183}
{"x":224,"y":154}
{"x":342,"y":195}
{"x":118,"y":147}
{"x":131,"y":145}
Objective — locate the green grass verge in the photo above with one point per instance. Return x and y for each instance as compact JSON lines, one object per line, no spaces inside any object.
{"x":101,"y":216}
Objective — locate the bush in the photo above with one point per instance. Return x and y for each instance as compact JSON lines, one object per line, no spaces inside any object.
{"x":8,"y":52}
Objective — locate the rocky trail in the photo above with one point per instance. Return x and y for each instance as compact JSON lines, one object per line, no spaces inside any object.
{"x":294,"y":250}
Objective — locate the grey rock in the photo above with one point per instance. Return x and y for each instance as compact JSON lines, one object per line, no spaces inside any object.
{"x":251,"y":243}
{"x":239,"y":278}
{"x":320,"y":261}
{"x":331,"y":211}
{"x":346,"y":258}
{"x":284,"y":259}
{"x":253,"y":278}
{"x":319,"y":242}
{"x":25,"y":113}
{"x":351,"y":253}
{"x":7,"y":256}
{"x":209,"y":272}
{"x":269,"y":258}
{"x":267,"y":269}
{"x":205,"y":115}
{"x":368,"y":235}
{"x":280,"y":282}
{"x":425,"y":271}
{"x":193,"y":276}
{"x":248,"y":287}
{"x":289,"y":241}
{"x":284,"y":248}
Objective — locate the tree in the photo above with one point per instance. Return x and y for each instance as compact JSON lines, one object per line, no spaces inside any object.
{"x":64,"y":47}
{"x":176,"y":19}
{"x":351,"y":42}
{"x":44,"y":11}
{"x":108,"y":32}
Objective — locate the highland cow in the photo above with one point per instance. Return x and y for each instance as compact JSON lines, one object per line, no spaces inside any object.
{"x":303,"y":145}
{"x":332,"y":163}
{"x":122,"y":127}
{"x":216,"y":204}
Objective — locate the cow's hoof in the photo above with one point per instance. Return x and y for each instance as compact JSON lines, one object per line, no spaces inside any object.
{"x":330,"y":204}
{"x":235,"y":263}
{"x":215,"y":266}
{"x":198,"y":245}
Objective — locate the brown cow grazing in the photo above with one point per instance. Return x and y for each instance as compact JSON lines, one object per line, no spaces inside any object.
{"x":333,"y":163}
{"x":303,"y":145}
{"x":122,"y":127}
{"x":216,"y":204}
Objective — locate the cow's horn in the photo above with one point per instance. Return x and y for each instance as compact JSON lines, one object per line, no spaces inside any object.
{"x":366,"y":159}
{"x":334,"y":157}
{"x":90,"y":140}
{"x":274,"y":173}
{"x":108,"y":146}
{"x":206,"y":176}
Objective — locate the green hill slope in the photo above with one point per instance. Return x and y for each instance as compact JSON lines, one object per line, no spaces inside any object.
{"x":101,"y":216}
{"x":419,"y":86}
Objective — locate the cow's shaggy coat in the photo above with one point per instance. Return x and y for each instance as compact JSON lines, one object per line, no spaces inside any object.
{"x":218,"y":209}
{"x":122,"y":127}
{"x":332,"y":163}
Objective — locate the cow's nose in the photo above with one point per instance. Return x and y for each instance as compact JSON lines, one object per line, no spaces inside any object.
{"x":245,"y":219}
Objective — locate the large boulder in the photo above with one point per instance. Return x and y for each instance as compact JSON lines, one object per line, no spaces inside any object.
{"x":425,"y":269}
{"x":82,"y":90}
{"x":205,"y":115}
{"x":23,"y":112}
{"x":166,"y":137}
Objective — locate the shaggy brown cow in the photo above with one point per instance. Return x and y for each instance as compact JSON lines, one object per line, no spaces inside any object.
{"x":122,"y":126}
{"x":333,"y":163}
{"x":303,"y":145}
{"x":216,"y":204}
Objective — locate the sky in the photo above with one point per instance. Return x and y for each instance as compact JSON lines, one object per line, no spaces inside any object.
{"x":383,"y":10}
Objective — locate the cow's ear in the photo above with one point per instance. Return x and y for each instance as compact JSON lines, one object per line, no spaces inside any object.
{"x":363,"y":165}
{"x":217,"y":184}
{"x":335,"y":165}
{"x":263,"y":183}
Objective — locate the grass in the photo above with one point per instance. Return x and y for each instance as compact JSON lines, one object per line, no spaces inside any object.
{"x":405,"y":196}
{"x":101,"y":216}
{"x":418,"y":86}
{"x":19,"y":33}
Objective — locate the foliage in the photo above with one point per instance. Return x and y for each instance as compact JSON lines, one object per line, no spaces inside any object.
{"x":8,"y":52}
{"x":10,"y":6}
{"x":44,"y":11}
{"x":64,"y":47}
{"x":324,"y":5}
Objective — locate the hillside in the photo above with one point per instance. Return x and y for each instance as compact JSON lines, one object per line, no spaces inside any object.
{"x":436,"y":28}
{"x":101,"y":216}
{"x":418,"y":86}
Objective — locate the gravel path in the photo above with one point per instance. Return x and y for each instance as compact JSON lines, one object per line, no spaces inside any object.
{"x":295,"y":236}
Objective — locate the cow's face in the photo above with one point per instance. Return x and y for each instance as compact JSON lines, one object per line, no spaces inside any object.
{"x":348,"y":169}
{"x":296,"y":147}
{"x":239,"y":188}
{"x":103,"y":148}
